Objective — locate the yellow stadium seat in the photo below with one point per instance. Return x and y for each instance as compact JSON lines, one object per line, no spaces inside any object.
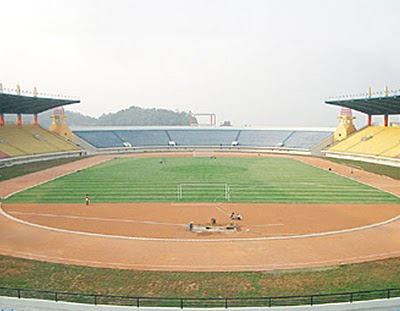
{"x":373,"y":140}
{"x":30,"y":139}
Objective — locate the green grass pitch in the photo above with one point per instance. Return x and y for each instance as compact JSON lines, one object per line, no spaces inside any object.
{"x":251,"y":180}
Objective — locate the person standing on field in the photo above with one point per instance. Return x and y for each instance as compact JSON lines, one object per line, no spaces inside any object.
{"x":87,"y":200}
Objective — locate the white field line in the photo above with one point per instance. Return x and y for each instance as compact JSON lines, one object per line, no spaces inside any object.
{"x":220,"y":209}
{"x":339,"y":261}
{"x":302,"y":236}
{"x":54,"y":178}
{"x":216,"y":205}
{"x":354,"y":179}
{"x":98,"y":219}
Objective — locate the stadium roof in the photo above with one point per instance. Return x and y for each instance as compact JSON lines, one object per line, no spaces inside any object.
{"x":17,"y":104}
{"x":386,"y":105}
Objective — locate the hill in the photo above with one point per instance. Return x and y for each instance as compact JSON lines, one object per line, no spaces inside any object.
{"x":133,"y":116}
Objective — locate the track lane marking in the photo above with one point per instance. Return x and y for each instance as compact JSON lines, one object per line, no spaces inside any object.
{"x":308,"y":235}
{"x":98,"y":219}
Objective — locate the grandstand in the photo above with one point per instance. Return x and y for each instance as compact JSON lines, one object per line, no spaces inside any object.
{"x":254,"y":138}
{"x":124,"y":137}
{"x":101,"y":139}
{"x":30,"y":139}
{"x":19,"y":140}
{"x":146,"y":139}
{"x":205,"y":137}
{"x":372,"y":140}
{"x":284,"y":139}
{"x":251,"y":180}
{"x":373,"y":143}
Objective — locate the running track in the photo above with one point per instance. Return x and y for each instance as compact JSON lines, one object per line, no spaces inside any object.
{"x":26,"y":241}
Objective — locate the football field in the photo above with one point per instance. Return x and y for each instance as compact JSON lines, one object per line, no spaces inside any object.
{"x":208,"y":179}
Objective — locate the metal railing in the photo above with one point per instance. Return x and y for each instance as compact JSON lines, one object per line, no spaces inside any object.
{"x":139,"y":301}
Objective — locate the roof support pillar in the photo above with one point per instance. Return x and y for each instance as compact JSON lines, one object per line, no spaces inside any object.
{"x":369,"y":120}
{"x":2,"y":119}
{"x":19,"y":119}
{"x":386,"y":120}
{"x":35,"y":119}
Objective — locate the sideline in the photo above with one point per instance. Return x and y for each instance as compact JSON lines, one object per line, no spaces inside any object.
{"x":358,"y":179}
{"x":20,"y":179}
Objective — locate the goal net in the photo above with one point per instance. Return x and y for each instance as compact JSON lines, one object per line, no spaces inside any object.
{"x":205,"y":153}
{"x":203,"y":192}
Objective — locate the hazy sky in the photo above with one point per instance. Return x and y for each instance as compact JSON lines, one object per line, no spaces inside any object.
{"x":268,"y":63}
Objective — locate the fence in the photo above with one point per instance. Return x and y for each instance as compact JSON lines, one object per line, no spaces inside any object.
{"x":136,"y":301}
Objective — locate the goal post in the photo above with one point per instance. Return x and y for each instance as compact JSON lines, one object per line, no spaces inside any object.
{"x":203,"y":153}
{"x":200,"y":192}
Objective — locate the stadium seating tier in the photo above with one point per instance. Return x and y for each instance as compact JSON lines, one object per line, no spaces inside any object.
{"x":29,"y":139}
{"x":372,"y":140}
{"x":203,"y":138}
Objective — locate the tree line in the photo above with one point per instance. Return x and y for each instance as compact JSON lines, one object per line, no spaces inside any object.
{"x":133,"y":116}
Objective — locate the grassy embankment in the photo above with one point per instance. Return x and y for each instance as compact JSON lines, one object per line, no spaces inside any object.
{"x":41,"y":275}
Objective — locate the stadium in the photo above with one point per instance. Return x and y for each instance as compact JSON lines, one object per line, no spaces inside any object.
{"x":201,"y":198}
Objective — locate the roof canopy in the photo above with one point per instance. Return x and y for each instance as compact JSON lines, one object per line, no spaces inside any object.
{"x":17,"y":104}
{"x":385,"y":105}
